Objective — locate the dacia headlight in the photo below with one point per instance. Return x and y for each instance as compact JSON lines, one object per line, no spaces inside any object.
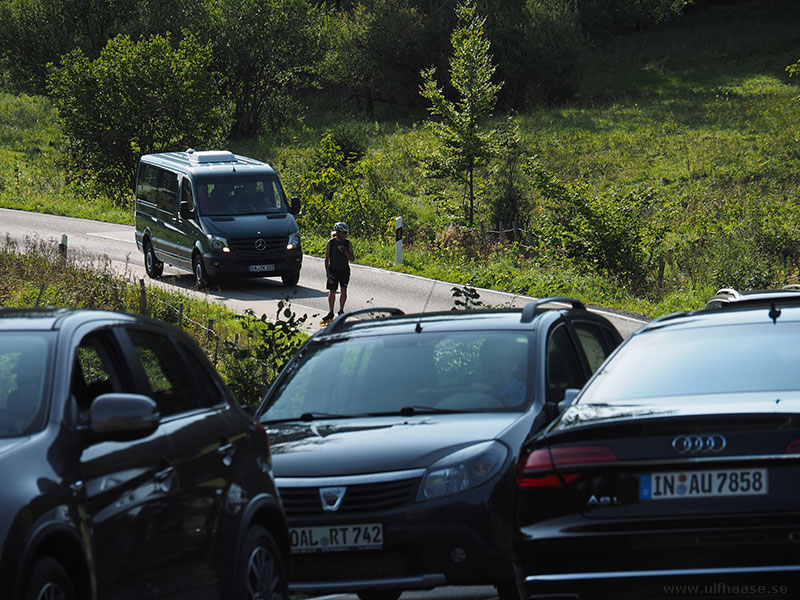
{"x":463,"y":470}
{"x":294,"y":241}
{"x":217,"y":243}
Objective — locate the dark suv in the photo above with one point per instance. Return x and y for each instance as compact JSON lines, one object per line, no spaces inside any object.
{"x":129,"y":471}
{"x":395,"y":440}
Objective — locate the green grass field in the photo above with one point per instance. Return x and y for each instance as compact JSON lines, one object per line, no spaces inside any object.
{"x":699,"y":116}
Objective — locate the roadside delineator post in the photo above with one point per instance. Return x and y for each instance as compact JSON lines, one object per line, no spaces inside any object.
{"x":398,"y":240}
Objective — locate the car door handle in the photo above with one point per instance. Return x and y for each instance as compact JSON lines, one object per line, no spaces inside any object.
{"x":164,"y":478}
{"x":226,"y":451}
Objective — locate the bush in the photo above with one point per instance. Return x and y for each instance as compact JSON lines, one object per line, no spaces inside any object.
{"x":136,"y":98}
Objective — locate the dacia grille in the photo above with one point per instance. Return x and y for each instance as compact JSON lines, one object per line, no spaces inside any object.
{"x":359,"y":498}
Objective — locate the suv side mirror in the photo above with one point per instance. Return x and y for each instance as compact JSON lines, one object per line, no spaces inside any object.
{"x":569,"y":396}
{"x":295,"y":207}
{"x":122,"y":417}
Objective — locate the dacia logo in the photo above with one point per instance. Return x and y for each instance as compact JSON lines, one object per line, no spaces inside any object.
{"x":331,"y":497}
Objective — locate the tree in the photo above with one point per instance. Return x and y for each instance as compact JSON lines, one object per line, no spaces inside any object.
{"x":462,"y":143}
{"x":268,"y":50}
{"x":136,"y":98}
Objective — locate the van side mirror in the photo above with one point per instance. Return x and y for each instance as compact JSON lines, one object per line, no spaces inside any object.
{"x":184,"y":210}
{"x":295,"y":207}
{"x":569,"y":396}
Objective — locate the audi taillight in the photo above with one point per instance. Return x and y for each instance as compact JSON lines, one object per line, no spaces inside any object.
{"x":549,"y":467}
{"x":793,"y":447}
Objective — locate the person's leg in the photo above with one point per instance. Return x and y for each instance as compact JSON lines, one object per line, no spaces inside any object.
{"x":342,"y":298}
{"x":331,"y":300}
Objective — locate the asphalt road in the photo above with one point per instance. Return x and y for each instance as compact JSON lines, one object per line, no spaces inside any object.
{"x":96,"y":241}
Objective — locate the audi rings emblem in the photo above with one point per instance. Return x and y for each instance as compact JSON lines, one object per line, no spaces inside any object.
{"x":702,"y":443}
{"x":261,"y":244}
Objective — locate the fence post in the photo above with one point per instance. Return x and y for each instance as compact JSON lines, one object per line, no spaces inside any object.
{"x":143,"y":297}
{"x":62,"y":247}
{"x":115,"y":289}
{"x":39,"y":297}
{"x":180,"y":316}
{"x":398,"y":240}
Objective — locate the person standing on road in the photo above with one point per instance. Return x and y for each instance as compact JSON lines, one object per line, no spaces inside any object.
{"x":338,"y":256}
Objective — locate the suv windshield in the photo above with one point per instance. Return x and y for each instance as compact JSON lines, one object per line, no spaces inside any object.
{"x":240,"y":195}
{"x":476,"y":370}
{"x":705,"y":360}
{"x":23,"y":375}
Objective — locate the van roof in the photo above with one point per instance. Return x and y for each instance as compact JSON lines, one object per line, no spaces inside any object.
{"x":207,"y":162}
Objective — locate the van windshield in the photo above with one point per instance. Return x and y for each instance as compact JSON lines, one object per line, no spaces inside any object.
{"x":240,"y":195}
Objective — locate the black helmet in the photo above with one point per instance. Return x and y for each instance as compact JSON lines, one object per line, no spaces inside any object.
{"x":341,"y":227}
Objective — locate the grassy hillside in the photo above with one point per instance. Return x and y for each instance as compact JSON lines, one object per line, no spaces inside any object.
{"x":699,"y":118}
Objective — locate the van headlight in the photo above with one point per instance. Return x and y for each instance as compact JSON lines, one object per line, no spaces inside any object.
{"x":294,"y":241}
{"x":218,"y":243}
{"x":463,"y":470}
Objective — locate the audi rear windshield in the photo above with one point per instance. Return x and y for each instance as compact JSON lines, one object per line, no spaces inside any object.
{"x":730,"y":359}
{"x":24,"y":367}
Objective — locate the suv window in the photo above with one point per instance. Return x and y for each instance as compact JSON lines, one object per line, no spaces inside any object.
{"x":595,"y":343}
{"x":563,"y":365}
{"x":97,"y":369}
{"x":24,"y":360}
{"x":171,"y":383}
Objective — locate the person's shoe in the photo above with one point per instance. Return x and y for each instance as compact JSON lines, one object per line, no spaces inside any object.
{"x":341,"y":312}
{"x":328,"y":317}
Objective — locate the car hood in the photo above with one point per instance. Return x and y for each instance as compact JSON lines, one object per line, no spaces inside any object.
{"x":369,"y":445}
{"x":273,"y":224}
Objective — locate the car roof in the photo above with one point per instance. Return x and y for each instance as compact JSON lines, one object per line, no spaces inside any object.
{"x":42,"y":319}
{"x":208,"y":163}
{"x":386,"y":320}
{"x":756,"y":308}
{"x":728,"y":295}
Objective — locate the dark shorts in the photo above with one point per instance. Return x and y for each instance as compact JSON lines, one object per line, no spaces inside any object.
{"x":338,"y":277}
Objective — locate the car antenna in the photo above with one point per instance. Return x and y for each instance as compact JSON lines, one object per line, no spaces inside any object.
{"x":774,"y":313}
{"x":418,"y":328}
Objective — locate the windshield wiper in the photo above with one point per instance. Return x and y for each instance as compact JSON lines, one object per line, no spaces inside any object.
{"x":410,"y":411}
{"x":308,"y":417}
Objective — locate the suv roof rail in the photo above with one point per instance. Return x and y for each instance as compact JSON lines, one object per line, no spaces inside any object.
{"x":791,"y":287}
{"x":530,"y":309}
{"x":339,"y":322}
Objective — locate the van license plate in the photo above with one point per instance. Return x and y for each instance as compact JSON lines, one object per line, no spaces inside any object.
{"x":260,"y":268}
{"x":336,"y":537}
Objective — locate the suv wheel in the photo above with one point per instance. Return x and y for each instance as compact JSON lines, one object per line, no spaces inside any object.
{"x":263,"y":576}
{"x":380,"y":595}
{"x":200,"y":274}
{"x":291,"y":279}
{"x":152,"y":266}
{"x":49,"y":581}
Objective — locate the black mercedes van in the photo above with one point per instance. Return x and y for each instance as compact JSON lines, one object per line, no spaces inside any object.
{"x":216,"y":214}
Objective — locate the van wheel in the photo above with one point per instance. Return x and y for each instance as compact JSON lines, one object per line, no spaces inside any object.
{"x":152,"y":266}
{"x":291,"y":279}
{"x":379,"y":595}
{"x":262,"y":575}
{"x":200,"y":274}
{"x":49,"y":581}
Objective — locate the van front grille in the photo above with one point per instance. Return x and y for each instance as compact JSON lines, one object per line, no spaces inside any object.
{"x":246,"y":248}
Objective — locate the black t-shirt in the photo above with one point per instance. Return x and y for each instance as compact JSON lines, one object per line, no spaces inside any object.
{"x":337,"y":258}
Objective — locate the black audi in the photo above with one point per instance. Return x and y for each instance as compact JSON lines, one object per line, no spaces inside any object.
{"x":674,"y":473}
{"x":395,"y":440}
